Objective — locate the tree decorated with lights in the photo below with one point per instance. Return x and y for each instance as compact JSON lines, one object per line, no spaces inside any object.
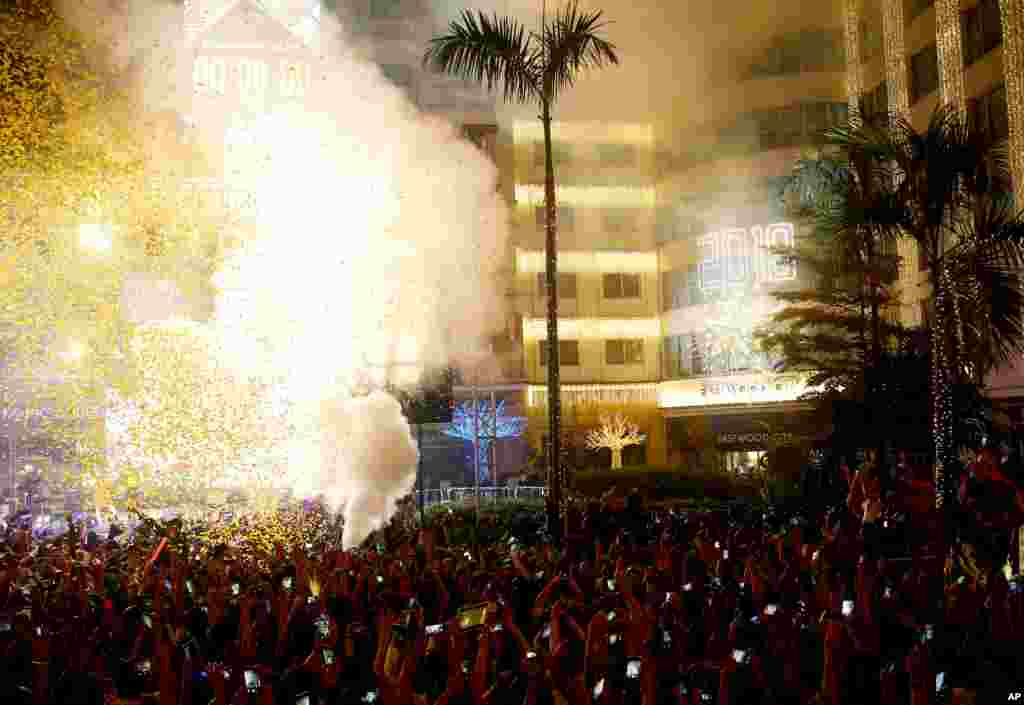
{"x":486,"y":424}
{"x":615,"y":433}
{"x":945,"y":189}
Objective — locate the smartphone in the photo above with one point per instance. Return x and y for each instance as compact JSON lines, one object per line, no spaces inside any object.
{"x":167,"y":584}
{"x":370,"y":697}
{"x":705,"y":697}
{"x":497,"y":628}
{"x":302,"y":699}
{"x":771,"y":609}
{"x":145,"y":667}
{"x":286,"y":583}
{"x":472,"y":616}
{"x":929,"y":632}
{"x":599,"y":688}
{"x":687,"y":587}
{"x":547,"y":632}
{"x":146,"y":619}
{"x":633,"y":668}
{"x":236,"y":589}
{"x":39,"y":631}
{"x":252,"y":681}
{"x":940,"y":681}
{"x":188,"y":586}
{"x":847,"y":608}
{"x":739,"y":656}
{"x":725,"y":554}
{"x":433,"y":629}
{"x":610,"y":584}
{"x":323,"y":627}
{"x":328,"y":657}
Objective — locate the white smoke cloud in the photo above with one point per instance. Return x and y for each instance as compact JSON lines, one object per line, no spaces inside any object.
{"x":373,"y":255}
{"x":369,"y":461}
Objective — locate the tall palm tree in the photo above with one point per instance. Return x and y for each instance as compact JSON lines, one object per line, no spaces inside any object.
{"x":950,"y":185}
{"x":531,"y":68}
{"x":853,"y":206}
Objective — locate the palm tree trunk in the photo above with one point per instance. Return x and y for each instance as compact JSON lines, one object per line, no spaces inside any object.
{"x":551,"y":275}
{"x":941,"y":388}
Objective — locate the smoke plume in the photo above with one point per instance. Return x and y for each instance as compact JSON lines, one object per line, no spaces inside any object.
{"x":371,"y":253}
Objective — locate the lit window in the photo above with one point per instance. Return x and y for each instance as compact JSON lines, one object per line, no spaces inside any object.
{"x":924,"y":73}
{"x":621,"y":286}
{"x":566,"y":285}
{"x":568,"y":353}
{"x":565,"y":219}
{"x":624,"y":352}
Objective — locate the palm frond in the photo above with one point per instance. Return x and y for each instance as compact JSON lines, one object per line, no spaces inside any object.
{"x":572,"y":44}
{"x":494,"y":51}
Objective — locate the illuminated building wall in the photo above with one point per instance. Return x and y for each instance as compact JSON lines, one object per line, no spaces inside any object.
{"x":965,"y":53}
{"x":609,"y":328}
{"x":719,"y":208}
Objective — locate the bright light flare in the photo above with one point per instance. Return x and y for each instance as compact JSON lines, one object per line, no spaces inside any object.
{"x":96,"y":237}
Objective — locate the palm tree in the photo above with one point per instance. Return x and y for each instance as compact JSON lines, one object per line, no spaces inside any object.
{"x":951,"y":187}
{"x":531,"y":68}
{"x":853,"y":207}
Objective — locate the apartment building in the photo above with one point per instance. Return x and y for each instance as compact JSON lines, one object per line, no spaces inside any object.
{"x":720,"y":211}
{"x":609,"y":327}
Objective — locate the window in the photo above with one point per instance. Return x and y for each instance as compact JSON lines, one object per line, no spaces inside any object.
{"x":565,"y":219}
{"x":616,"y":154}
{"x":621,"y":286}
{"x":682,"y":356}
{"x":924,"y":73}
{"x":566,"y":285}
{"x":875,"y":103}
{"x":560,"y":153}
{"x":988,"y":115}
{"x":916,"y":7}
{"x":624,"y":352}
{"x":981,"y":29}
{"x":568,"y":353}
{"x":398,"y":74}
{"x":674,"y":289}
{"x":380,"y":9}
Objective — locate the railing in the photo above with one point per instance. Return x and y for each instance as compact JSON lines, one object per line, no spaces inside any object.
{"x":456,"y":495}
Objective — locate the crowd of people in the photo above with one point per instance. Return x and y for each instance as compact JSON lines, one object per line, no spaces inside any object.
{"x":848,"y":605}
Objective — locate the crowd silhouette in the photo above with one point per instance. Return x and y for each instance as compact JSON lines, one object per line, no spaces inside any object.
{"x":853,"y":604}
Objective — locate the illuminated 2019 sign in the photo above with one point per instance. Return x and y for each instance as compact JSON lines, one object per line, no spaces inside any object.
{"x":742,"y":256}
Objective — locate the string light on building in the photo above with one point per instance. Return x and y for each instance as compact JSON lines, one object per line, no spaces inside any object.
{"x":951,"y":55}
{"x":1012,"y":12}
{"x":893,"y":25}
{"x":854,"y":62}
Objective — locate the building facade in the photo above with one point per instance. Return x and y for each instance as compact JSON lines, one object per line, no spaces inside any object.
{"x":905,"y":57}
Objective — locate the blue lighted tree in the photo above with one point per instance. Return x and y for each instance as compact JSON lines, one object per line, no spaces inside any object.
{"x":463,"y":425}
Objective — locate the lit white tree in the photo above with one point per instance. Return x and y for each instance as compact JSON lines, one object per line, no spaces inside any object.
{"x":615,"y":433}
